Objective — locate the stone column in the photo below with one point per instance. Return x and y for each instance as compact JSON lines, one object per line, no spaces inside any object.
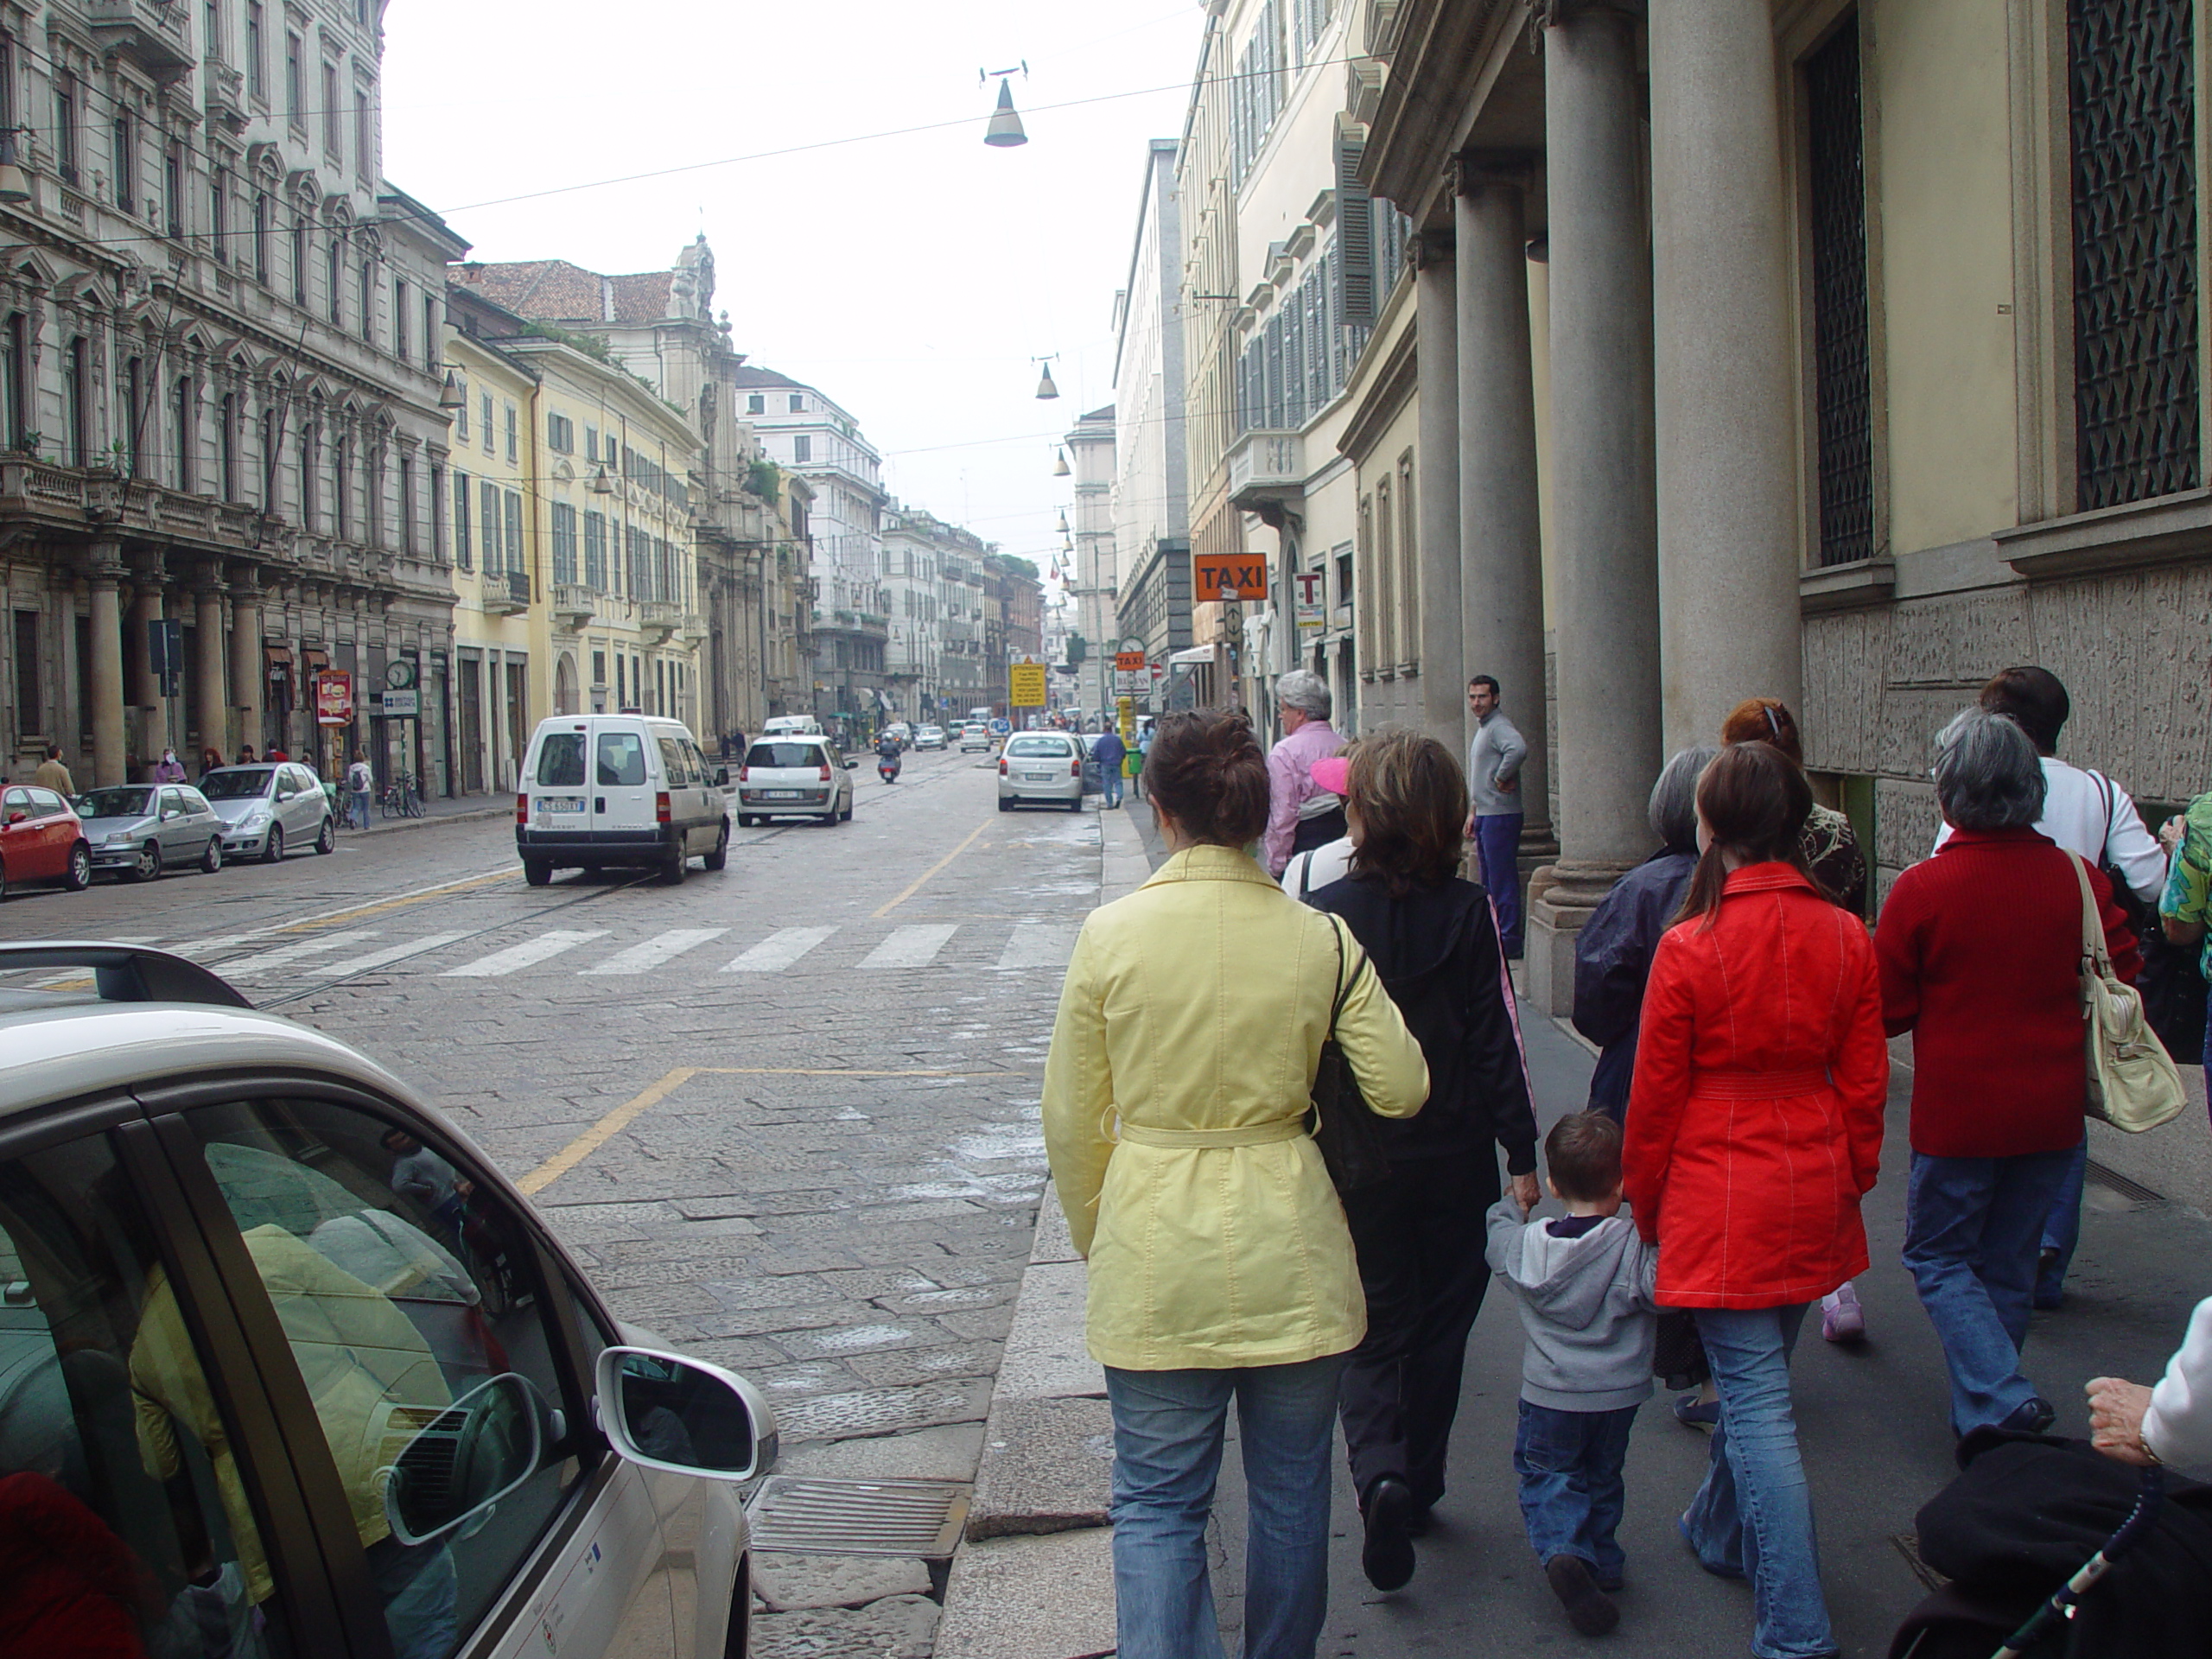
{"x":246,"y":678}
{"x":209,"y":688}
{"x":1436,"y":484}
{"x":1607,"y":632}
{"x":1501,"y":540}
{"x":105,"y":670}
{"x":148,"y":731}
{"x":1728,"y":524}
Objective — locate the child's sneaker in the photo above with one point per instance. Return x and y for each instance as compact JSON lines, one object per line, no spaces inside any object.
{"x":1841,"y":1318}
{"x":1589,"y":1609}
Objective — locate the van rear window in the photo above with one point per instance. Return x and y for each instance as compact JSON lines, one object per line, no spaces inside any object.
{"x":622,"y":759}
{"x":786,"y":754}
{"x":561,"y":760}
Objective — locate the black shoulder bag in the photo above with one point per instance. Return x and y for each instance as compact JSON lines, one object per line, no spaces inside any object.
{"x":1341,"y":1123}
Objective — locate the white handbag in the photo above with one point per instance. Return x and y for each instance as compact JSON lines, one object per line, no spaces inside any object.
{"x":2133,"y":1082}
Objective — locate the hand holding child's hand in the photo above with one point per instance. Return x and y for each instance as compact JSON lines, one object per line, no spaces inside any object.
{"x":1524,"y":1191}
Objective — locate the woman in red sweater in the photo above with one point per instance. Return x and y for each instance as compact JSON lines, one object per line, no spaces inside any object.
{"x":1981,"y":954}
{"x":1754,"y":1128}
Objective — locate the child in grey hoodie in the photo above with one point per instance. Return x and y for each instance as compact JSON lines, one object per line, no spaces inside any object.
{"x":1585,"y":1284}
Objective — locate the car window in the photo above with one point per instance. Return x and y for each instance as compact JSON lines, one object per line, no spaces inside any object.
{"x":304,"y":780}
{"x":786,"y":754}
{"x":15,"y":800}
{"x":403,"y":1288}
{"x":239,"y":783}
{"x":117,"y":803}
{"x":622,"y":759}
{"x":673,"y":763}
{"x":703,"y":770}
{"x":193,"y":799}
{"x":1054,"y":748}
{"x":113,"y":1453}
{"x":46,"y":802}
{"x":561,"y":760}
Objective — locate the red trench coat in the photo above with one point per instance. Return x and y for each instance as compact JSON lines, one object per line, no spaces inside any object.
{"x":1755,"y":1120}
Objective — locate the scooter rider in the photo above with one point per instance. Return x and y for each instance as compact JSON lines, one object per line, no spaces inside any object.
{"x":886,"y":757}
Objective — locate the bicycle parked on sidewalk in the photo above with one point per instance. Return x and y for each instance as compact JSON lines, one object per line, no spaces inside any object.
{"x":401,"y":798}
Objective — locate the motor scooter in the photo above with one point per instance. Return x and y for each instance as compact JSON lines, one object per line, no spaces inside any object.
{"x":886,"y":767}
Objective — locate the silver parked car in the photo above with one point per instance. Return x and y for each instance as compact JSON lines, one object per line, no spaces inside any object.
{"x":137,"y":830}
{"x":269,"y":807}
{"x":1042,"y":766}
{"x":308,"y":1376}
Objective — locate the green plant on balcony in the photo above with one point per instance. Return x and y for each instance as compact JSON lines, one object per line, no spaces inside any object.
{"x":765,"y":479}
{"x":27,"y":443}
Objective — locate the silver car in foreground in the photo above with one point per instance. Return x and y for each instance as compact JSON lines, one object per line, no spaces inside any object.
{"x":301,"y":1373}
{"x":270,"y":807}
{"x":137,"y":830}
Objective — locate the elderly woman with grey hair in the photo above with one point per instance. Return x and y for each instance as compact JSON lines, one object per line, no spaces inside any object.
{"x":1612,"y":953}
{"x":1980,"y":948}
{"x":1301,"y":815}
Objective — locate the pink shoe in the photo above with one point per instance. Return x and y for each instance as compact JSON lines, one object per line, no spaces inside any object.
{"x":1841,"y":1318}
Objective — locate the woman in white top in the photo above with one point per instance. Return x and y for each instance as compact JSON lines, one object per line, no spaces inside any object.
{"x":2170,"y":1423}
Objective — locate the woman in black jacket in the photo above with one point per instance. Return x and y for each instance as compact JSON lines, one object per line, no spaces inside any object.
{"x":1419,"y":1233}
{"x":1612,"y":953}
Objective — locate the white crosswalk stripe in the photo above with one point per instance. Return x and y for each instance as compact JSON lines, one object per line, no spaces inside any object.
{"x":392,"y":953}
{"x":642,"y":958}
{"x":1038,"y":944}
{"x":778,"y":950}
{"x":528,"y":954}
{"x":284,"y":956}
{"x":911,"y":947}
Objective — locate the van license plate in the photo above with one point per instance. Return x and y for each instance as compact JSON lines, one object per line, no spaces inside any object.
{"x":552,"y":803}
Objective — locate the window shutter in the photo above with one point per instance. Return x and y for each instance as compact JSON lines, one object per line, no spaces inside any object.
{"x":1294,"y":362}
{"x":1355,"y":238}
{"x":1273,"y":334}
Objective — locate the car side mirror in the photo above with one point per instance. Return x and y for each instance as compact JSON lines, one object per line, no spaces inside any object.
{"x":457,"y":1461}
{"x":683,"y":1416}
{"x":18,"y":817}
{"x":851,"y":764}
{"x":721,"y":777}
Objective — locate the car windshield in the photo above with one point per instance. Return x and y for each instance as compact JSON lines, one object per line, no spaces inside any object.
{"x":1053,"y":747}
{"x":786,"y":754}
{"x":236,"y":783}
{"x":123,"y":802}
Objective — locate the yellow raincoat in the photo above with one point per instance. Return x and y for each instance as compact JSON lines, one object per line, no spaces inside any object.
{"x":1194,"y":1012}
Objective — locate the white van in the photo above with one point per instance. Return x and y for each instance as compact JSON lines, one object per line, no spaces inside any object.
{"x":601,"y":791}
{"x":793,"y":726}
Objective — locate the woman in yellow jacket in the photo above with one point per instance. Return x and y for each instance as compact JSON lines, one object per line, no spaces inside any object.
{"x":1175,"y":1100}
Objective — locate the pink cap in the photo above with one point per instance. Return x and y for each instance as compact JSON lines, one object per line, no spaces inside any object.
{"x":1333,"y":775}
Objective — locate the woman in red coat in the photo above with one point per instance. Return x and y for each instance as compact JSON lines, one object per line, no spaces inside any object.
{"x":1754,"y":1128}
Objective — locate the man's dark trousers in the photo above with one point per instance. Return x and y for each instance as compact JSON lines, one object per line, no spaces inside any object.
{"x":1497,"y":847}
{"x":1421,"y":1236}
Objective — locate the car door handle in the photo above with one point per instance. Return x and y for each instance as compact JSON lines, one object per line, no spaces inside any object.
{"x":598,"y":804}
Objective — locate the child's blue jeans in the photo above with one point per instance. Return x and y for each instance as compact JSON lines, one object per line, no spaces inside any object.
{"x":1572,"y":1492}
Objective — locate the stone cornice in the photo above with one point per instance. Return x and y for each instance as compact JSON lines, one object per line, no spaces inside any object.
{"x":2140,"y":533}
{"x":1433,"y":73}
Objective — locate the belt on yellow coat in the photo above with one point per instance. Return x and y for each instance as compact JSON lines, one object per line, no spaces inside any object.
{"x":1247,"y":1134}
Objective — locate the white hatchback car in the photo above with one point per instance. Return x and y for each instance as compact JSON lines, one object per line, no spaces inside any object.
{"x":287,"y":1355}
{"x":1042,"y":766}
{"x":974,"y":735}
{"x":797,"y":776}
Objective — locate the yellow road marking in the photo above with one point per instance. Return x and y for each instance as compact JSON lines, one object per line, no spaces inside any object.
{"x":629,"y":1111}
{"x":918,"y":881}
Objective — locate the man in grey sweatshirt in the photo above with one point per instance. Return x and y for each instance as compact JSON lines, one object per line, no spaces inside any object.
{"x":1585,"y":1285}
{"x":1494,"y":758}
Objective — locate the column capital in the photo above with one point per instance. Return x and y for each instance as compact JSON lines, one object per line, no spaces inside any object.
{"x":1427,"y":250}
{"x":1477,"y":169}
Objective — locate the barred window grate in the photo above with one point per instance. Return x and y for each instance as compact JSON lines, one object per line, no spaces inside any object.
{"x":1843,"y":396}
{"x":2133,"y":98}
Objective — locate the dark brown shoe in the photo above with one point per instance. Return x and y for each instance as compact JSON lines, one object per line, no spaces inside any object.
{"x":1589,"y":1609}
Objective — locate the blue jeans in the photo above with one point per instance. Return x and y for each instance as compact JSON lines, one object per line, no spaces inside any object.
{"x":1571,"y":1493}
{"x":2061,"y":1229}
{"x":1497,"y":847}
{"x":1167,"y":1435}
{"x":1972,"y":1228}
{"x":1110,"y":777}
{"x":1753,"y":1516}
{"x":361,"y":808}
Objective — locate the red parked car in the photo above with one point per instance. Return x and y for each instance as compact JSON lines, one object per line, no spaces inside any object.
{"x":41,"y":840}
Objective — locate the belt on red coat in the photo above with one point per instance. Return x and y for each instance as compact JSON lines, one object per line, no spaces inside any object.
{"x":1733,"y":1083}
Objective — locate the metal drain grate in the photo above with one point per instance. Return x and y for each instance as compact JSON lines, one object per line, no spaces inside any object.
{"x":2112,"y":1181}
{"x":804,"y":1516}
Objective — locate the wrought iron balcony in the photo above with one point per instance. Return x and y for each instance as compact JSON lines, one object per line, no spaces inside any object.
{"x":506,"y":595}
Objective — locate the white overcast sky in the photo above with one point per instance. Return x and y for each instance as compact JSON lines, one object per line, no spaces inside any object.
{"x":911,"y":278}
